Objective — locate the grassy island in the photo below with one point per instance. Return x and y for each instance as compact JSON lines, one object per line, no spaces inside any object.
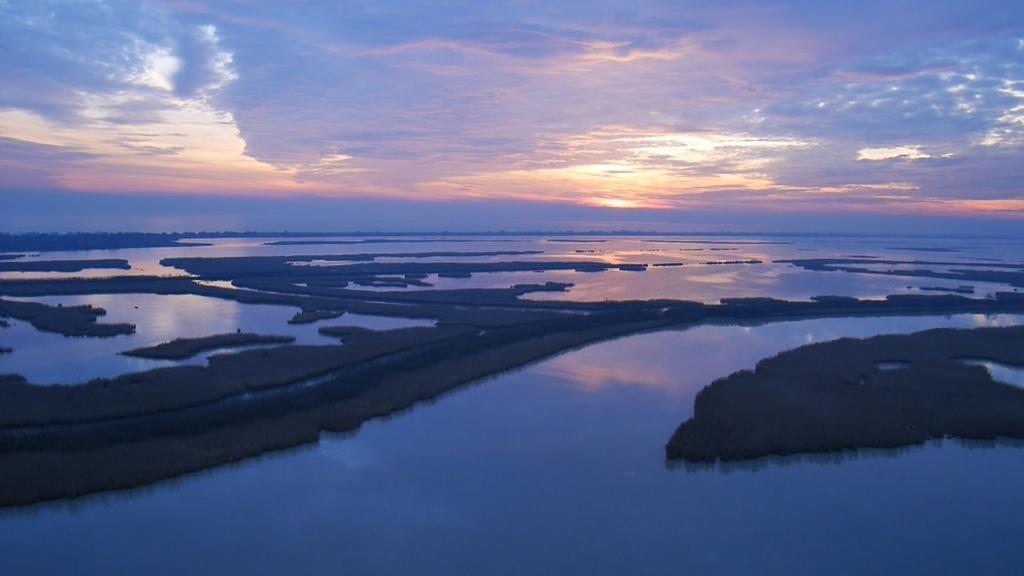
{"x":66,"y":320}
{"x":880,"y":392}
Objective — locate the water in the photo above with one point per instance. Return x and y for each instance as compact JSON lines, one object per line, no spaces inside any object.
{"x":893,"y":365}
{"x":555,"y":468}
{"x":47,"y":358}
{"x":53,"y":359}
{"x":694,"y":281}
{"x":559,"y":468}
{"x":1004,"y":373}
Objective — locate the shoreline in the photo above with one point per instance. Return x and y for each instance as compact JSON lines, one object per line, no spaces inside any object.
{"x":64,"y":441}
{"x":184,"y":348}
{"x":887,"y":391}
{"x":205,"y":436}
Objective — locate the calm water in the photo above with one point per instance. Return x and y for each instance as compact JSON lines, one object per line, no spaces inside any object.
{"x":558,"y":468}
{"x":695,"y":281}
{"x":53,"y":359}
{"x":47,"y":358}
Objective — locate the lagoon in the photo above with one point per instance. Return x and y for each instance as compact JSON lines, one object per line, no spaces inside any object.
{"x":559,"y":467}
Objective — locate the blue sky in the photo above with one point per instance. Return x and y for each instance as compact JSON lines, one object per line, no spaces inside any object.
{"x":511,"y":114}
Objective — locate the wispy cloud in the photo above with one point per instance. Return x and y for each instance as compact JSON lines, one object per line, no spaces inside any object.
{"x":782,"y":105}
{"x":893,"y":153}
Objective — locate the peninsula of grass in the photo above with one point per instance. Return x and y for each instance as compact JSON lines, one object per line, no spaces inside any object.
{"x":844,"y":395}
{"x":64,"y":265}
{"x":182,"y":348}
{"x":950,"y":289}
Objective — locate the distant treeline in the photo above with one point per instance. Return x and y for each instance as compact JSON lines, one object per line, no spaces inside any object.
{"x":89,"y":241}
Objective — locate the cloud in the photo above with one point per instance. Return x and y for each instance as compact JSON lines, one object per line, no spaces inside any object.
{"x":157,"y":66}
{"x":208,"y":68}
{"x":954,"y":91}
{"x":893,"y":153}
{"x":27,"y":166}
{"x":57,"y":51}
{"x":786,"y":104}
{"x":143,"y":115}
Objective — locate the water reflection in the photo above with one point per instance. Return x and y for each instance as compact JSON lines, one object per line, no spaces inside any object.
{"x":46,"y":358}
{"x":539,"y":470}
{"x":892,"y":365}
{"x":379,"y":322}
{"x":558,"y":467}
{"x":822,"y":459}
{"x":592,"y":377}
{"x":1003,"y":373}
{"x":695,"y":280}
{"x":839,"y":458}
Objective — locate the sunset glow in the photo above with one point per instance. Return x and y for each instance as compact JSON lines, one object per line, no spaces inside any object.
{"x":784,"y":106}
{"x":516,"y":287}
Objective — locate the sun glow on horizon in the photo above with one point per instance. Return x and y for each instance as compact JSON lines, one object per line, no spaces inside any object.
{"x":616,"y":203}
{"x":746,"y":109}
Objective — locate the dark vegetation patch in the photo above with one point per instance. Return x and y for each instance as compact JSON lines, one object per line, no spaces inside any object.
{"x":720,"y":262}
{"x":1004,"y":273}
{"x":66,"y":320}
{"x":280,"y":266}
{"x":941,"y":249}
{"x":452,"y":306}
{"x":954,"y":289}
{"x":836,"y":396}
{"x":314,"y":242}
{"x":751,"y":242}
{"x":182,"y":348}
{"x":311,"y":316}
{"x":391,"y":282}
{"x":401,"y":337}
{"x":64,"y":265}
{"x":377,"y":376}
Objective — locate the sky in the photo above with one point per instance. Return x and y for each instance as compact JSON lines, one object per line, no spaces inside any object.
{"x":241,"y":114}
